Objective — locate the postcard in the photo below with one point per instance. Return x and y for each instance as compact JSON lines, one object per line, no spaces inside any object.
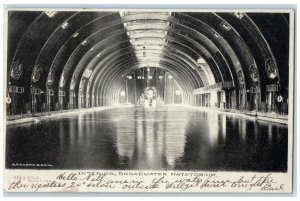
{"x":157,"y":100}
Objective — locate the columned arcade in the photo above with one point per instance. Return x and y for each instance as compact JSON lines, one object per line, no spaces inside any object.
{"x":68,"y":60}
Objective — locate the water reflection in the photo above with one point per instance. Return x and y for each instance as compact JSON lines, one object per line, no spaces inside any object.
{"x":150,"y":138}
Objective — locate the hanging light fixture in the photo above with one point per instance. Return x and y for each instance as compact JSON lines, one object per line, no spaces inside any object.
{"x":84,"y":42}
{"x":75,"y":34}
{"x":51,"y":13}
{"x":177,"y":92}
{"x":122,"y":93}
{"x":65,"y":25}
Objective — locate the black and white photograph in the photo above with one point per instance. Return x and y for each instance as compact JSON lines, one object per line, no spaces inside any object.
{"x":140,"y":93}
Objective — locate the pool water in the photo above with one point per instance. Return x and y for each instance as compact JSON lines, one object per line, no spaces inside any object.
{"x":162,"y":138}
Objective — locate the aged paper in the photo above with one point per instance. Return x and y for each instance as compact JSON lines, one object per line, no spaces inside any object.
{"x":231,"y":133}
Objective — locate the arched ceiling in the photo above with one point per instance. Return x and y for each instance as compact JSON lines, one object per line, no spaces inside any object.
{"x":89,"y":52}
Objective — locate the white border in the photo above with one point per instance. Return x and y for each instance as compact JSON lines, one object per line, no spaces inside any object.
{"x":174,"y":3}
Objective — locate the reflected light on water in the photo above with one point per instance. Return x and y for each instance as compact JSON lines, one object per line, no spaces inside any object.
{"x":159,"y":138}
{"x":213,"y":119}
{"x":125,"y":138}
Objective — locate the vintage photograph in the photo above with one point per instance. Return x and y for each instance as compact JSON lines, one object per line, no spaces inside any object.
{"x":140,"y":93}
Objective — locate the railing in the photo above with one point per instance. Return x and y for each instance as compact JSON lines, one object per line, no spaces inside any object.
{"x":217,"y":86}
{"x":278,"y":112}
{"x":19,"y":114}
